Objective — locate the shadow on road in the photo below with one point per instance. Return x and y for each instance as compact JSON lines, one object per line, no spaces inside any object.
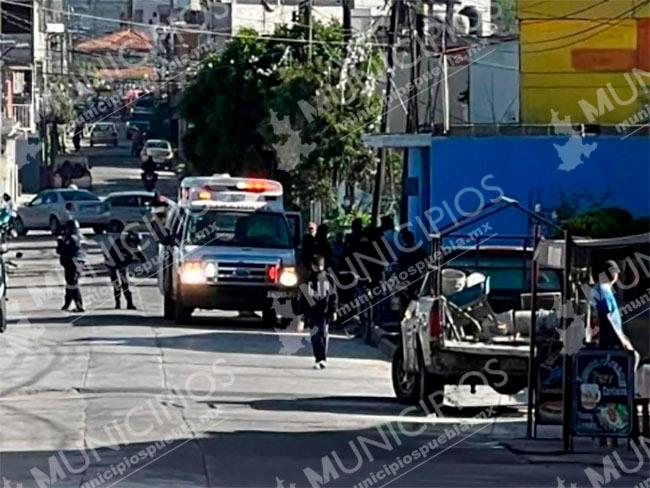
{"x":237,"y":335}
{"x":372,"y":405}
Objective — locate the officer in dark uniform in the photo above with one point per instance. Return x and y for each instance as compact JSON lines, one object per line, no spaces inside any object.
{"x":318,"y":304}
{"x":71,"y":257}
{"x":119,"y":253}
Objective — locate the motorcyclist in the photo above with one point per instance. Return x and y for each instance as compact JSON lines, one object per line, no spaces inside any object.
{"x":119,"y":252}
{"x":149,"y":166}
{"x":71,"y":257}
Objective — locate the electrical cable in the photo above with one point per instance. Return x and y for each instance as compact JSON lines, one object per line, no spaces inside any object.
{"x":607,"y":22}
{"x":605,"y":28}
{"x":175,"y":29}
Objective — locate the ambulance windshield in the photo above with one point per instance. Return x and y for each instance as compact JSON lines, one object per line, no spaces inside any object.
{"x":225,"y":228}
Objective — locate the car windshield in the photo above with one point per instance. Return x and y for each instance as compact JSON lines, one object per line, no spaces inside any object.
{"x":506,"y":272}
{"x":103,"y":127}
{"x":219,"y":228}
{"x":79,"y":195}
{"x":157,"y":145}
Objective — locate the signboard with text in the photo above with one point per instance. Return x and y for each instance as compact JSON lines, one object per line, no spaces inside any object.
{"x":603,"y":393}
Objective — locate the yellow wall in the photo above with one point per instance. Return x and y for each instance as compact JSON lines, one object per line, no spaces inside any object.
{"x":575,"y":51}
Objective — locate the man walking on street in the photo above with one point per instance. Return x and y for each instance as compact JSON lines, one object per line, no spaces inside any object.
{"x":118,"y":255}
{"x":319,"y":301}
{"x":71,"y":257}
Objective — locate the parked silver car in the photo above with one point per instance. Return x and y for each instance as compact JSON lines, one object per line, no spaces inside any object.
{"x":130,"y":208}
{"x":103,"y":133}
{"x":47,"y":210}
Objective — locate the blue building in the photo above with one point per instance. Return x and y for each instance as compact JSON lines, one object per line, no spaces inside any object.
{"x":452,"y":176}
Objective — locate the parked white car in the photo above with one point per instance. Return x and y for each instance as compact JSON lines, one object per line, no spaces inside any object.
{"x":47,"y":210}
{"x":103,"y":133}
{"x":130,"y":207}
{"x":161,"y":151}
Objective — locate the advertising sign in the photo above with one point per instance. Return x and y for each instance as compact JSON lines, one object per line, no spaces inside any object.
{"x":603,"y":393}
{"x":549,"y":383}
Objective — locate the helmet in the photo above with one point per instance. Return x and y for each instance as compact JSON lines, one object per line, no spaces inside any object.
{"x":72,"y":226}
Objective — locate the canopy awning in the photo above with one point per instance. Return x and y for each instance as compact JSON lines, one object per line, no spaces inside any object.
{"x":551,"y":252}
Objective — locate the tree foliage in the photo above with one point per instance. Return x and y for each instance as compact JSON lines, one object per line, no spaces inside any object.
{"x":325,"y":101}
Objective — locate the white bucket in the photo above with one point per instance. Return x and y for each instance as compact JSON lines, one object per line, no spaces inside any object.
{"x":453,"y":280}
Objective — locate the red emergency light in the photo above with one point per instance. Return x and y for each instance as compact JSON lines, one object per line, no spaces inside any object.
{"x":256,"y":186}
{"x":273,"y":273}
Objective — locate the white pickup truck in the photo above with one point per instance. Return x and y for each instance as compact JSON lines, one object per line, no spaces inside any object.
{"x":474,"y":331}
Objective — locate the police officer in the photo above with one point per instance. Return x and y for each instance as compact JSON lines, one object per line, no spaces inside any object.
{"x":119,"y":253}
{"x":71,"y":257}
{"x":318,"y":303}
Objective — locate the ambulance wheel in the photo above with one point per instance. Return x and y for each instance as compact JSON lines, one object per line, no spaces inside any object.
{"x":168,"y":307}
{"x":182,"y":314}
{"x":270,"y":318}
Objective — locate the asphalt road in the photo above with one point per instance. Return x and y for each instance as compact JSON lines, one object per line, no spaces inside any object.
{"x":117,"y":398}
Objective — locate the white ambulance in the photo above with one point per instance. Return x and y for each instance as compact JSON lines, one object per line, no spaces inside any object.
{"x":230,"y":245}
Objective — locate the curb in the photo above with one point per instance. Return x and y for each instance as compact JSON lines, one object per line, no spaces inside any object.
{"x":385,"y":342}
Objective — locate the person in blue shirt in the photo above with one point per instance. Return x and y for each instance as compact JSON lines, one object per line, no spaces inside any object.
{"x":610,"y":324}
{"x":609,"y":316}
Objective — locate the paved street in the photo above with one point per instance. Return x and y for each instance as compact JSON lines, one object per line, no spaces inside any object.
{"x":116,"y":398}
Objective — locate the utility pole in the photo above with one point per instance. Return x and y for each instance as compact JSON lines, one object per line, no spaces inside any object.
{"x":384,"y":126}
{"x":310,"y":5}
{"x":347,"y":20}
{"x":2,"y":81}
{"x":449,"y":22}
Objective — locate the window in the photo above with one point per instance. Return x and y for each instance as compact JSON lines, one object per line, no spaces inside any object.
{"x":50,"y":198}
{"x":218,"y":228}
{"x":38,"y":200}
{"x":158,"y":145}
{"x":79,"y":195}
{"x":125,"y":201}
{"x":506,"y":272}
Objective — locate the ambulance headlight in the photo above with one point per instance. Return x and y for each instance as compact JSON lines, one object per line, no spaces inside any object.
{"x":289,"y":277}
{"x":193,"y":273}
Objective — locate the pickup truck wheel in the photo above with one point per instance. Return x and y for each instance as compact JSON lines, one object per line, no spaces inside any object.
{"x":405,"y":384}
{"x":182,"y":314}
{"x":169,"y":306}
{"x":432,"y":388}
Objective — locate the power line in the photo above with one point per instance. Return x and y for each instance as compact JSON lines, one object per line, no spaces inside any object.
{"x":176,"y":29}
{"x":607,"y":26}
{"x":609,"y":23}
{"x":568,"y":15}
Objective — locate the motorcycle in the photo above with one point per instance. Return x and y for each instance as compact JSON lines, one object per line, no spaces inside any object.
{"x":149,"y":180}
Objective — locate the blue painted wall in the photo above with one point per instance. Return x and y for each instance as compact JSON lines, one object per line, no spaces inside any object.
{"x":462,"y":170}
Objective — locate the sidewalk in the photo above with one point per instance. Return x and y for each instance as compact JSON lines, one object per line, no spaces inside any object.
{"x":586,"y":451}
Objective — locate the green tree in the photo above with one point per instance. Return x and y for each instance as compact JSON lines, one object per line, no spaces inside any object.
{"x":265,"y":106}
